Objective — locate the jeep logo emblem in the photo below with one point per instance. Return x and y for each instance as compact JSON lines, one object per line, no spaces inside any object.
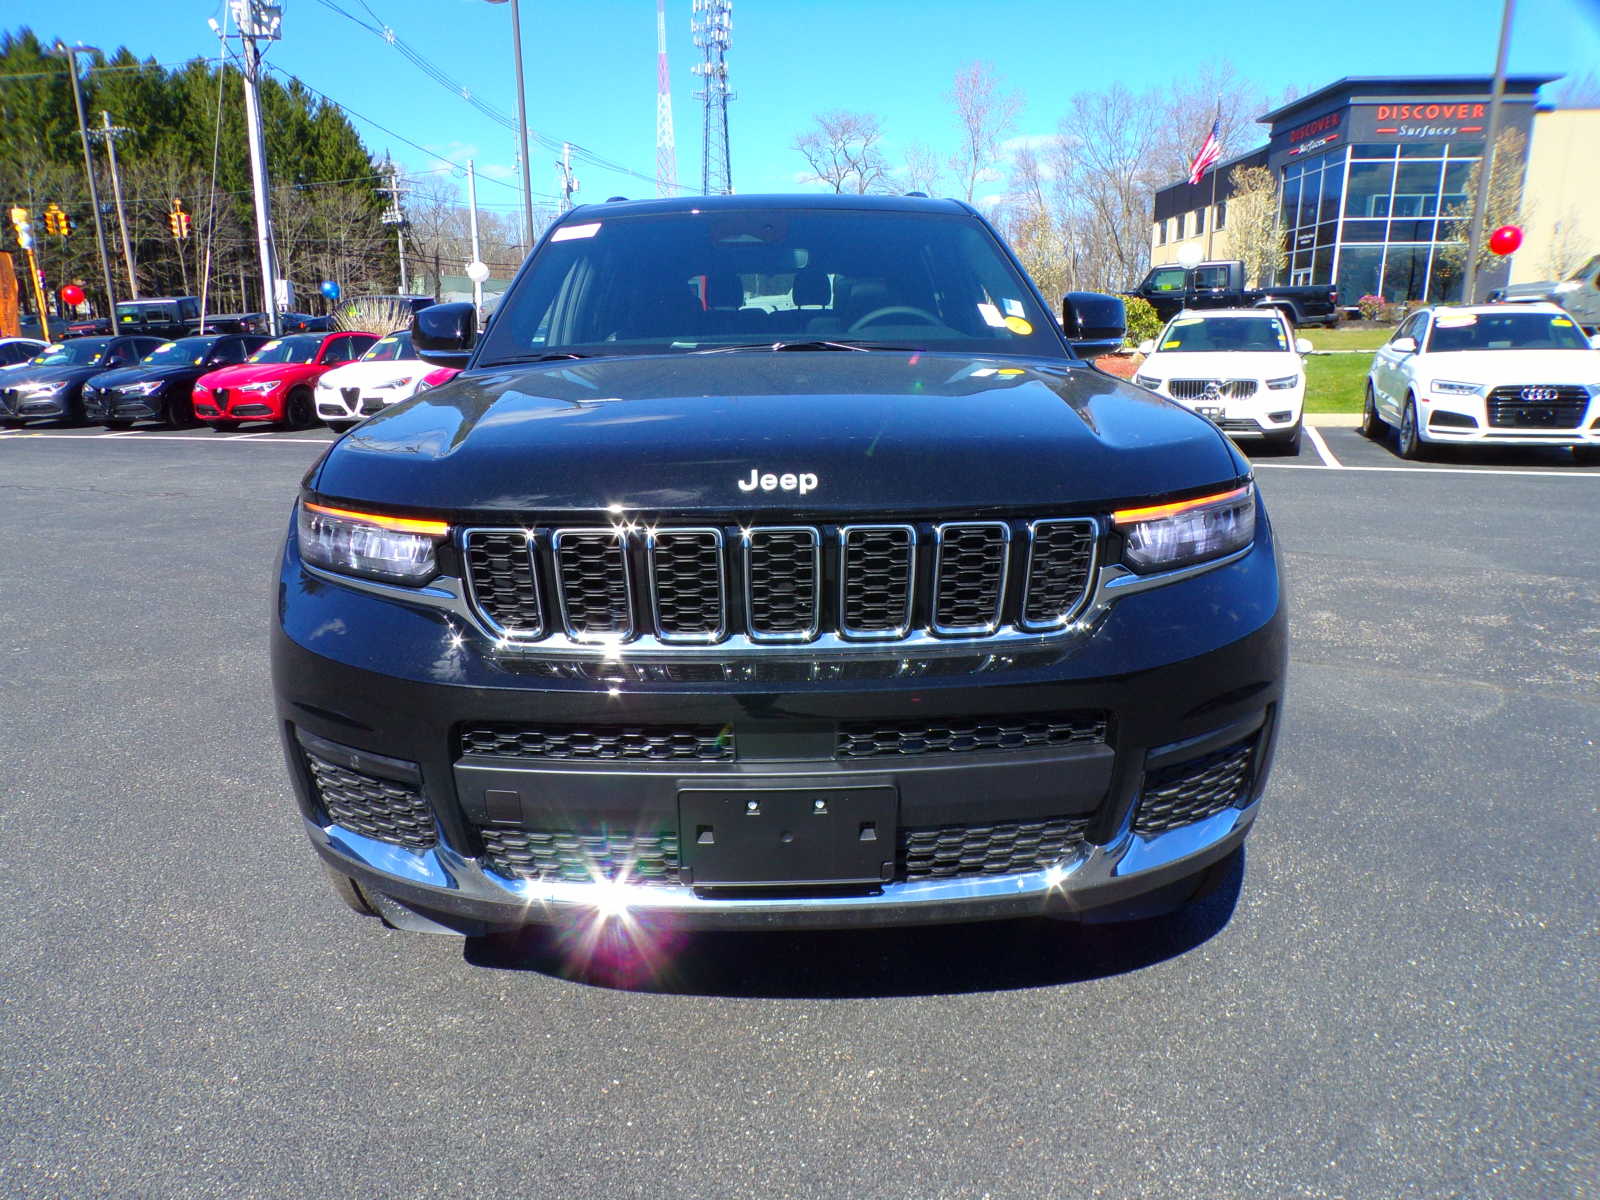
{"x":787,"y":482}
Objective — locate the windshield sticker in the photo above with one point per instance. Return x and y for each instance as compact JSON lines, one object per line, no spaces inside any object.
{"x":1455,"y":320}
{"x":273,"y":345}
{"x":1181,"y":322}
{"x":1018,"y":326}
{"x":568,"y":233}
{"x":1013,"y":307}
{"x":1172,"y":343}
{"x":1561,"y":322}
{"x":991,"y":316}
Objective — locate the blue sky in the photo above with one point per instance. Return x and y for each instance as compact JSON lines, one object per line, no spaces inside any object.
{"x":590,"y":64}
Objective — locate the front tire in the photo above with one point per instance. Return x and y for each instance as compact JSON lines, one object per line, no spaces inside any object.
{"x":1288,"y":443}
{"x":1410,"y":443}
{"x":180,"y":412}
{"x":1586,"y":456}
{"x":350,"y":892}
{"x":298,"y":411}
{"x":1372,"y":425}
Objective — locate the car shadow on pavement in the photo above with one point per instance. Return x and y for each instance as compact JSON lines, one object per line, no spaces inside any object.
{"x":990,"y":956}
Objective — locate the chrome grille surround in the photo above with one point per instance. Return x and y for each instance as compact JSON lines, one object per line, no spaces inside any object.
{"x":1053,"y":605}
{"x":501,"y":581}
{"x":877,"y":573}
{"x":688,"y":600}
{"x":592,"y":573}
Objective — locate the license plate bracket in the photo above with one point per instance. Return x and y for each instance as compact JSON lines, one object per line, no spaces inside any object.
{"x":788,"y":837}
{"x":1214,"y":412}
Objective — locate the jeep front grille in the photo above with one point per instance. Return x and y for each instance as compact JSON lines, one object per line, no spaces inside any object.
{"x":829,"y":585}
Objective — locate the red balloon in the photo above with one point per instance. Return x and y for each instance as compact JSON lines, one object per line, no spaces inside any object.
{"x":1505,"y":240}
{"x":72,"y":294}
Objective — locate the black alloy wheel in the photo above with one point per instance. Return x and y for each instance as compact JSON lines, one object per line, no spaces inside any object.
{"x":1410,"y":441}
{"x":1372,"y":425}
{"x":180,"y":411}
{"x":298,"y":411}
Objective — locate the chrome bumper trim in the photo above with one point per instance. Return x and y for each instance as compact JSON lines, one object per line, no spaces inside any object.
{"x":446,"y":882}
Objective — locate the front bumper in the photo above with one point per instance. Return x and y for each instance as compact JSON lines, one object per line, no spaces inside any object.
{"x":385,"y":690}
{"x":99,"y":405}
{"x":1465,"y":420}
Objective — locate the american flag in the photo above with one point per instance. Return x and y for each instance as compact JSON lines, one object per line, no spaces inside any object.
{"x":1210,"y":152}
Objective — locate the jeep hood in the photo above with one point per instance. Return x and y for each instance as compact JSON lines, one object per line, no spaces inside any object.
{"x":882,"y":432}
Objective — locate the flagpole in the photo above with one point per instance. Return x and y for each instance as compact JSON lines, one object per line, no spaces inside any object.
{"x":1211,"y":226}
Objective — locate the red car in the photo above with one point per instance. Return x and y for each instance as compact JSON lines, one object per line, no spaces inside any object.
{"x":276,"y":382}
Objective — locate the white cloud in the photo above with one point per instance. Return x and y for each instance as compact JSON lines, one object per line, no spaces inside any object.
{"x":1029,"y":141}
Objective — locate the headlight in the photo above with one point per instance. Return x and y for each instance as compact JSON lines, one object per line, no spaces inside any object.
{"x":140,"y":389}
{"x":396,"y":549}
{"x":1447,"y":388}
{"x":40,"y":389}
{"x":1148,"y":381}
{"x":1279,"y":385}
{"x":263,"y":386}
{"x":393,"y":383}
{"x":1165,"y":536}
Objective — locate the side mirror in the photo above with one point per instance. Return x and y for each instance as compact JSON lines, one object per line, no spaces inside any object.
{"x":1148,"y":346}
{"x":1594,"y":342}
{"x":1302,"y":345}
{"x":444,"y":334}
{"x":1405,"y":345}
{"x":1094,"y":322}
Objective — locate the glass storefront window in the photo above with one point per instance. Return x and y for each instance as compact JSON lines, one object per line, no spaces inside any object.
{"x":1416,"y":189}
{"x":1310,"y":191}
{"x":1422,"y":149}
{"x":1466,"y":149}
{"x":1327,"y":233}
{"x":1372,"y":150}
{"x":1411,"y":231}
{"x":1445,"y":276}
{"x":1332,"y":189}
{"x":1455,"y":186}
{"x":1322,"y":265}
{"x":1367,"y":194}
{"x":1365,"y":231}
{"x":1405,"y":273}
{"x":1358,"y":272}
{"x":1291,"y":201}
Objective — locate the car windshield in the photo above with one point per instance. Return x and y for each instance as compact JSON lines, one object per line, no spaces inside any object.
{"x":1224,"y":333}
{"x":287,"y":350}
{"x":725,"y":278}
{"x":188,"y":350}
{"x":396,"y":345}
{"x":1504,"y":331}
{"x":83,"y":352}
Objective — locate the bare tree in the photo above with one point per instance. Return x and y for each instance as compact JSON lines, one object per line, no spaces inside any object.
{"x":985,"y":115}
{"x":1506,"y":204}
{"x":843,"y":152}
{"x":1570,"y":246}
{"x":1215,"y":92}
{"x":1254,"y":234}
{"x":922,"y":172}
{"x":1031,"y":226}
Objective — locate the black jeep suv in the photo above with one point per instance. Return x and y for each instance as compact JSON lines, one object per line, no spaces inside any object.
{"x":775,"y":561}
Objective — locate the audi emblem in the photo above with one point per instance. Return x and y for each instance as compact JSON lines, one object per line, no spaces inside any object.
{"x":1540,"y":394}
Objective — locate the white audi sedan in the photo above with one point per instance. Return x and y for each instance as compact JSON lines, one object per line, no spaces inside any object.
{"x":1241,"y":367}
{"x":1487,"y":375}
{"x":386,"y":374}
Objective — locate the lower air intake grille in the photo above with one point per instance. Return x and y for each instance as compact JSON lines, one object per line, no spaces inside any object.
{"x":384,"y":809}
{"x":1000,"y":849}
{"x":581,"y":857}
{"x":1192,"y":791}
{"x":500,"y":568}
{"x":869,"y":739}
{"x":625,"y":743}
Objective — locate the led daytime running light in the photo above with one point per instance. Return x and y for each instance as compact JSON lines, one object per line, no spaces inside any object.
{"x":1154,"y":512}
{"x":398,"y":524}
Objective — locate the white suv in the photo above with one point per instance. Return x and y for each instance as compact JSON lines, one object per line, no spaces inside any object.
{"x":1488,"y":374}
{"x":1241,"y":367}
{"x":386,"y":374}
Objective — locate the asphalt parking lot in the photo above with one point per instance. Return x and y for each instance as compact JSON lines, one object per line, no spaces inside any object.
{"x":1397,"y":999}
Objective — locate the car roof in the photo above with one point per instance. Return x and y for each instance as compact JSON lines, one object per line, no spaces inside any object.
{"x":745,"y":203}
{"x":1264,"y":313}
{"x":1537,"y":306}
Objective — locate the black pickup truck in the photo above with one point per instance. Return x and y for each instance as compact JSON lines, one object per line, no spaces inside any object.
{"x":160,"y":316}
{"x":1170,"y":290}
{"x":776,"y":561}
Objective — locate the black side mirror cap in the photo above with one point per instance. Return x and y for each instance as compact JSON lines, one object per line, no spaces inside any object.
{"x":1095,"y":323}
{"x":444,"y":334}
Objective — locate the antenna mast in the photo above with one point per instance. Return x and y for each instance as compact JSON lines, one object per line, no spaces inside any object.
{"x":666,"y":145}
{"x":712,"y":26}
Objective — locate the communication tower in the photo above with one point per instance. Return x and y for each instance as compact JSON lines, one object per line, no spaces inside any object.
{"x":712,"y":26}
{"x":666,"y":145}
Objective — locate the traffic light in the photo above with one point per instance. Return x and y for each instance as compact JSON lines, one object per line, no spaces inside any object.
{"x":178,"y":220}
{"x":20,"y":222}
{"x":56,"y":221}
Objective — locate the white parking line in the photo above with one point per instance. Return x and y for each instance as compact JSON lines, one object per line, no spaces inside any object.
{"x":211,"y":440}
{"x":1322,"y":448}
{"x":1549,"y":473}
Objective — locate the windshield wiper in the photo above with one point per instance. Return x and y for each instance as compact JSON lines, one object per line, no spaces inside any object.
{"x":818,"y":344}
{"x":537,"y":358}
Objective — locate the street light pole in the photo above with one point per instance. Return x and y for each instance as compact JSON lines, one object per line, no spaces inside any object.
{"x":255,"y":20}
{"x":1480,"y":201}
{"x":70,"y":53}
{"x":110,"y":132}
{"x":522,"y":127}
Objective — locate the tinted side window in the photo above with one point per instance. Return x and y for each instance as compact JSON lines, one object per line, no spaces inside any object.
{"x":337,"y":350}
{"x":188,"y":310}
{"x":1167,"y":281}
{"x":1211,"y":277}
{"x":229,"y":350}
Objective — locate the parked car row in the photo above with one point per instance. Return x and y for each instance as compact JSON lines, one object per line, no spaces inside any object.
{"x":1511,"y":374}
{"x":221,"y":380}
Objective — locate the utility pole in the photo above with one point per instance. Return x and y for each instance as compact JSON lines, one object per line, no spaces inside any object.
{"x":395,"y":215}
{"x":522,"y":128}
{"x":258,"y":21}
{"x":712,"y":26}
{"x":109,"y":134}
{"x":476,"y":271}
{"x":568,"y":183}
{"x":1480,"y":201}
{"x":70,"y":53}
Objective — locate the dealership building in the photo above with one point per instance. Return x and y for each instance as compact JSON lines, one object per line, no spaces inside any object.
{"x":1373,"y":173}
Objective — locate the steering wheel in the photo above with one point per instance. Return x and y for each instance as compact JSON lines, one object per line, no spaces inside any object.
{"x":894,"y":310}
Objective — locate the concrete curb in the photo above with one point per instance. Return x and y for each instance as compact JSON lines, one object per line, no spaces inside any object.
{"x":1334,"y":420}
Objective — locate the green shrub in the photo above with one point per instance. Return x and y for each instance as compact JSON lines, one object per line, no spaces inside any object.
{"x":1142,"y":321}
